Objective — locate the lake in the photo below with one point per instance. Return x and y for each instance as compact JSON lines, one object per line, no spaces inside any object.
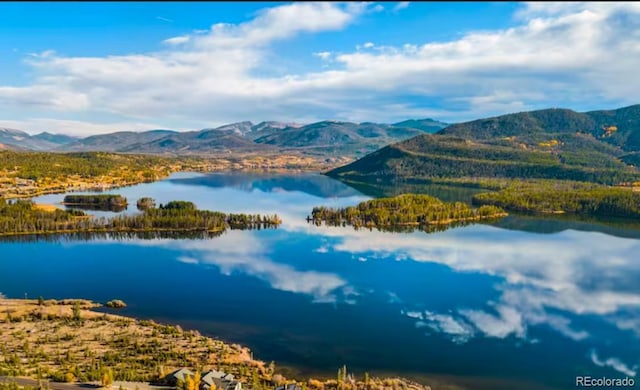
{"x":520,"y":303}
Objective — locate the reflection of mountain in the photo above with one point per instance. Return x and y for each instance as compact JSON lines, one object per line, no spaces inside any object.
{"x":316,"y":185}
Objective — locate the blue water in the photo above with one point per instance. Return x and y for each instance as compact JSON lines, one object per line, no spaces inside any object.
{"x":482,"y":301}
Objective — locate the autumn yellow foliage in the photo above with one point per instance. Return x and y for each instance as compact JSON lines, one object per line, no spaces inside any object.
{"x":549,"y":144}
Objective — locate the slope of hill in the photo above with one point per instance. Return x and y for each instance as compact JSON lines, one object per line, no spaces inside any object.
{"x":238,"y":128}
{"x":619,"y":127}
{"x":265,"y":128}
{"x":337,"y":137}
{"x":113,"y":142}
{"x":556,"y":144}
{"x":427,"y":125}
{"x":56,"y":139}
{"x":20,"y":140}
{"x":192,"y":142}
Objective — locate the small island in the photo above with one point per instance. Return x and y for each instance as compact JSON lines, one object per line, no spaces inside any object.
{"x":106,"y":202}
{"x":23,"y":217}
{"x":404,"y":211}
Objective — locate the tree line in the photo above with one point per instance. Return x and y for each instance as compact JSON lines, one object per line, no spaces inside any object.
{"x":403,"y":210}
{"x":23,"y":217}
{"x":552,"y":196}
{"x":105,"y":202}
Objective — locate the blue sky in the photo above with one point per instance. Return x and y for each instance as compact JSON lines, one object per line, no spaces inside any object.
{"x":85,"y":68}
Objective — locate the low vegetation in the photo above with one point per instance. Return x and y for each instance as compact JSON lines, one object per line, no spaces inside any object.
{"x":68,"y":341}
{"x":409,"y":210}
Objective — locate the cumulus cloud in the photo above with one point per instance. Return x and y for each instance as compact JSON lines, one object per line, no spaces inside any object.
{"x":576,"y":55}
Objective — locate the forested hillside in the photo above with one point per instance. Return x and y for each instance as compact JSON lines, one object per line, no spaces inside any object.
{"x":548,"y":144}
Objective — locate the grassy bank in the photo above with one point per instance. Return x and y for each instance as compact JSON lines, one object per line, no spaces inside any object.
{"x":70,"y":341}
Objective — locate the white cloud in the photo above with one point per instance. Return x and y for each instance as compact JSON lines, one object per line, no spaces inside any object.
{"x":401,"y":5}
{"x":244,"y":253}
{"x":77,"y":128}
{"x":187,"y":260}
{"x":177,"y":40}
{"x":322,"y":249}
{"x":324,"y":55}
{"x":547,"y":278}
{"x":575,"y":55}
{"x":459,"y":331}
{"x":614,"y":363}
{"x":508,"y":321}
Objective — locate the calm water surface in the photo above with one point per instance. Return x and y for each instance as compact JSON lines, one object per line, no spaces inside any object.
{"x":521,"y":302}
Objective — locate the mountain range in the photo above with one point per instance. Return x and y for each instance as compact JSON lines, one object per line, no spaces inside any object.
{"x":20,"y":140}
{"x":600,"y":146}
{"x":321,"y":138}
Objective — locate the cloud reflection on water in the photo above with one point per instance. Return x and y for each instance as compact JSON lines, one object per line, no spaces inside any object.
{"x":544,"y":280}
{"x":242,"y":251}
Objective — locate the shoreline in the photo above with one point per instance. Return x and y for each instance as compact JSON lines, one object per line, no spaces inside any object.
{"x":131,"y":169}
{"x":76,"y":326}
{"x":100,"y":186}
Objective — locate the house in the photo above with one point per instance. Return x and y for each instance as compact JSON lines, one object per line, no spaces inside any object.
{"x":219,"y":380}
{"x":178,"y":375}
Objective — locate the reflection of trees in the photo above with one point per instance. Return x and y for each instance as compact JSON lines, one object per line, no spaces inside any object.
{"x":395,"y":229}
{"x":121,"y":236}
{"x":98,"y":207}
